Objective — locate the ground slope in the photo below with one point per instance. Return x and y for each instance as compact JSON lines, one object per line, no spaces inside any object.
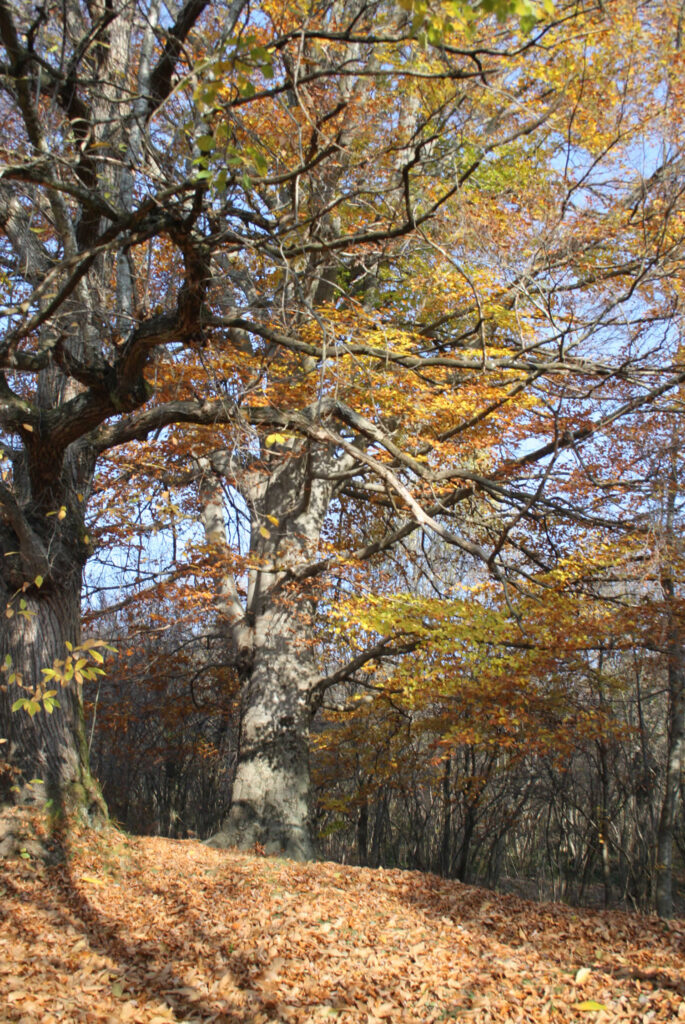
{"x":152,"y":931}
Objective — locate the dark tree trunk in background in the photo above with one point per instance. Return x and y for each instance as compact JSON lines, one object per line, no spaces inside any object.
{"x":446,"y":838}
{"x":379,"y":828}
{"x":675,"y":761}
{"x":675,"y":756}
{"x":461,"y":870}
{"x":363,"y":833}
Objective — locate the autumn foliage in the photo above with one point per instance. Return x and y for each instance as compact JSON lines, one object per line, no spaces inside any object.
{"x":154,"y":931}
{"x":342,"y":374}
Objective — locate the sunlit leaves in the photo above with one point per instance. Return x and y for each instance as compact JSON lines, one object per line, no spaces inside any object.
{"x":83,"y":663}
{"x":434,"y":20}
{"x":424,"y":949}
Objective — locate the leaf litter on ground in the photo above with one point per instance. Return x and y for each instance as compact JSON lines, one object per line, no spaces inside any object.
{"x":155,"y":931}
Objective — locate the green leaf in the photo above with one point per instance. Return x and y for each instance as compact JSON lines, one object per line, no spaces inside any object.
{"x":260,"y":162}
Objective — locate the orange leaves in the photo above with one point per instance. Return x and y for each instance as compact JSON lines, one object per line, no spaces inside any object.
{"x":209,"y":936}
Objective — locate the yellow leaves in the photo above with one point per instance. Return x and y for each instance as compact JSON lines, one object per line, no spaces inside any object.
{"x":93,"y":880}
{"x":475,"y":675}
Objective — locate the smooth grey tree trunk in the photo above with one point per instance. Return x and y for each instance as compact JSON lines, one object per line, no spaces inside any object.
{"x":271,"y":630}
{"x":270,"y":798}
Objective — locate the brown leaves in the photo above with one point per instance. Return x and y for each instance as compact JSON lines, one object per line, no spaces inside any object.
{"x":153,"y":931}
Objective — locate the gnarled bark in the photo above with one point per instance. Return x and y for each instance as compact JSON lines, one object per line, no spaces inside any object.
{"x":49,"y":747}
{"x":65,"y":370}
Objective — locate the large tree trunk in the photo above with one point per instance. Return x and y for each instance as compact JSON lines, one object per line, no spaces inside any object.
{"x":43,"y":549}
{"x":49,"y":747}
{"x":272,"y":637}
{"x":270,"y":799}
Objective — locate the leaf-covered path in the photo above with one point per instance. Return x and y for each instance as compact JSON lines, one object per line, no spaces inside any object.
{"x":152,"y":931}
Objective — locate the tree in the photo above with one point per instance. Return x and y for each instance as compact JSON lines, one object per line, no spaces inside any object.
{"x":666,"y":558}
{"x":375,"y":259}
{"x":83,"y":195}
{"x":402,"y":415}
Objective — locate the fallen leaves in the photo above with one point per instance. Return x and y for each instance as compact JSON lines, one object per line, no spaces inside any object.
{"x":151,"y":931}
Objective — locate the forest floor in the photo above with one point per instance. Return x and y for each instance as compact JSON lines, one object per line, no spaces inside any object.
{"x":153,"y":931}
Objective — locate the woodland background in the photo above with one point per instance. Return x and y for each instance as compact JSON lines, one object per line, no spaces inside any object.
{"x":343,"y":353}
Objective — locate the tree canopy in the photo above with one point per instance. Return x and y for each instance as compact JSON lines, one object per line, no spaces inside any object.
{"x":358,"y":280}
